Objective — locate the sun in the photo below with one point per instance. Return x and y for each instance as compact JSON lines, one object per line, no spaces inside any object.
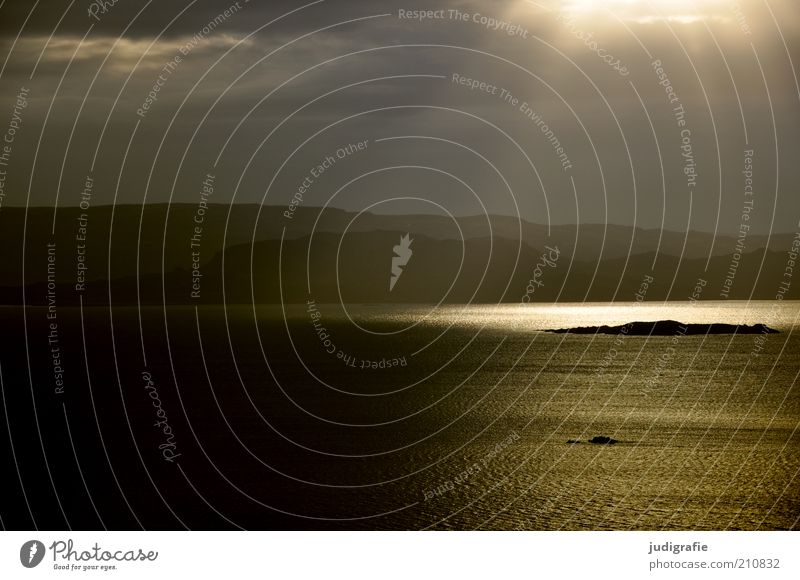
{"x":647,"y":11}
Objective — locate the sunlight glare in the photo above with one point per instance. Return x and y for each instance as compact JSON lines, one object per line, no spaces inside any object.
{"x":648,"y":11}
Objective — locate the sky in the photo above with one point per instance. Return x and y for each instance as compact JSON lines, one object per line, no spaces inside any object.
{"x":676,"y":114}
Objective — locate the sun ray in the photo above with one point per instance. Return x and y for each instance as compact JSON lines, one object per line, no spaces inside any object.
{"x":649,"y":11}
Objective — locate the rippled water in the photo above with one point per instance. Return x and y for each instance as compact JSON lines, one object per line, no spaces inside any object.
{"x":473,"y":431}
{"x":390,"y":420}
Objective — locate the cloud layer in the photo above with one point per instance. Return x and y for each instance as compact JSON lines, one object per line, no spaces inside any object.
{"x":259,"y":92}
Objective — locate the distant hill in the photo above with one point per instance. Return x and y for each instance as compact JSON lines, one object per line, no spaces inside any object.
{"x":355,"y":267}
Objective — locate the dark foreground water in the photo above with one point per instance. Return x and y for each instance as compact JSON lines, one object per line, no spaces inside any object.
{"x":311,"y":417}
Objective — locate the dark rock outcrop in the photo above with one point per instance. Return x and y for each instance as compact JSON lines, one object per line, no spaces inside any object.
{"x":602,"y":440}
{"x":668,"y":328}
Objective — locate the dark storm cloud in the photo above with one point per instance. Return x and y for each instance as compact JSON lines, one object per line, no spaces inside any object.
{"x":180,"y":17}
{"x":143,"y":18}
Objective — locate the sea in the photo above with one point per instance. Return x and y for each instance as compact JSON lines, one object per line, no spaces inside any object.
{"x":321,"y":416}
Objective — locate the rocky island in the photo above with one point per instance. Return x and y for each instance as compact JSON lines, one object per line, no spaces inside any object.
{"x":668,"y":328}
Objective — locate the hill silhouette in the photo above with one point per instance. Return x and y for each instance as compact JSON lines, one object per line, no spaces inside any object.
{"x":249,"y":253}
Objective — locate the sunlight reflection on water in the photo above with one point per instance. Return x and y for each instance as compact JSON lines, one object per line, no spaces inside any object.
{"x":528,"y":317}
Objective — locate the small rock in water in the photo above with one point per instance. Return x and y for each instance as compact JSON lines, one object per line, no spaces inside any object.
{"x":602,"y":440}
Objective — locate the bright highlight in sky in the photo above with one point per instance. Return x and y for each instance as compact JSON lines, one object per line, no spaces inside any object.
{"x":644,"y":11}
